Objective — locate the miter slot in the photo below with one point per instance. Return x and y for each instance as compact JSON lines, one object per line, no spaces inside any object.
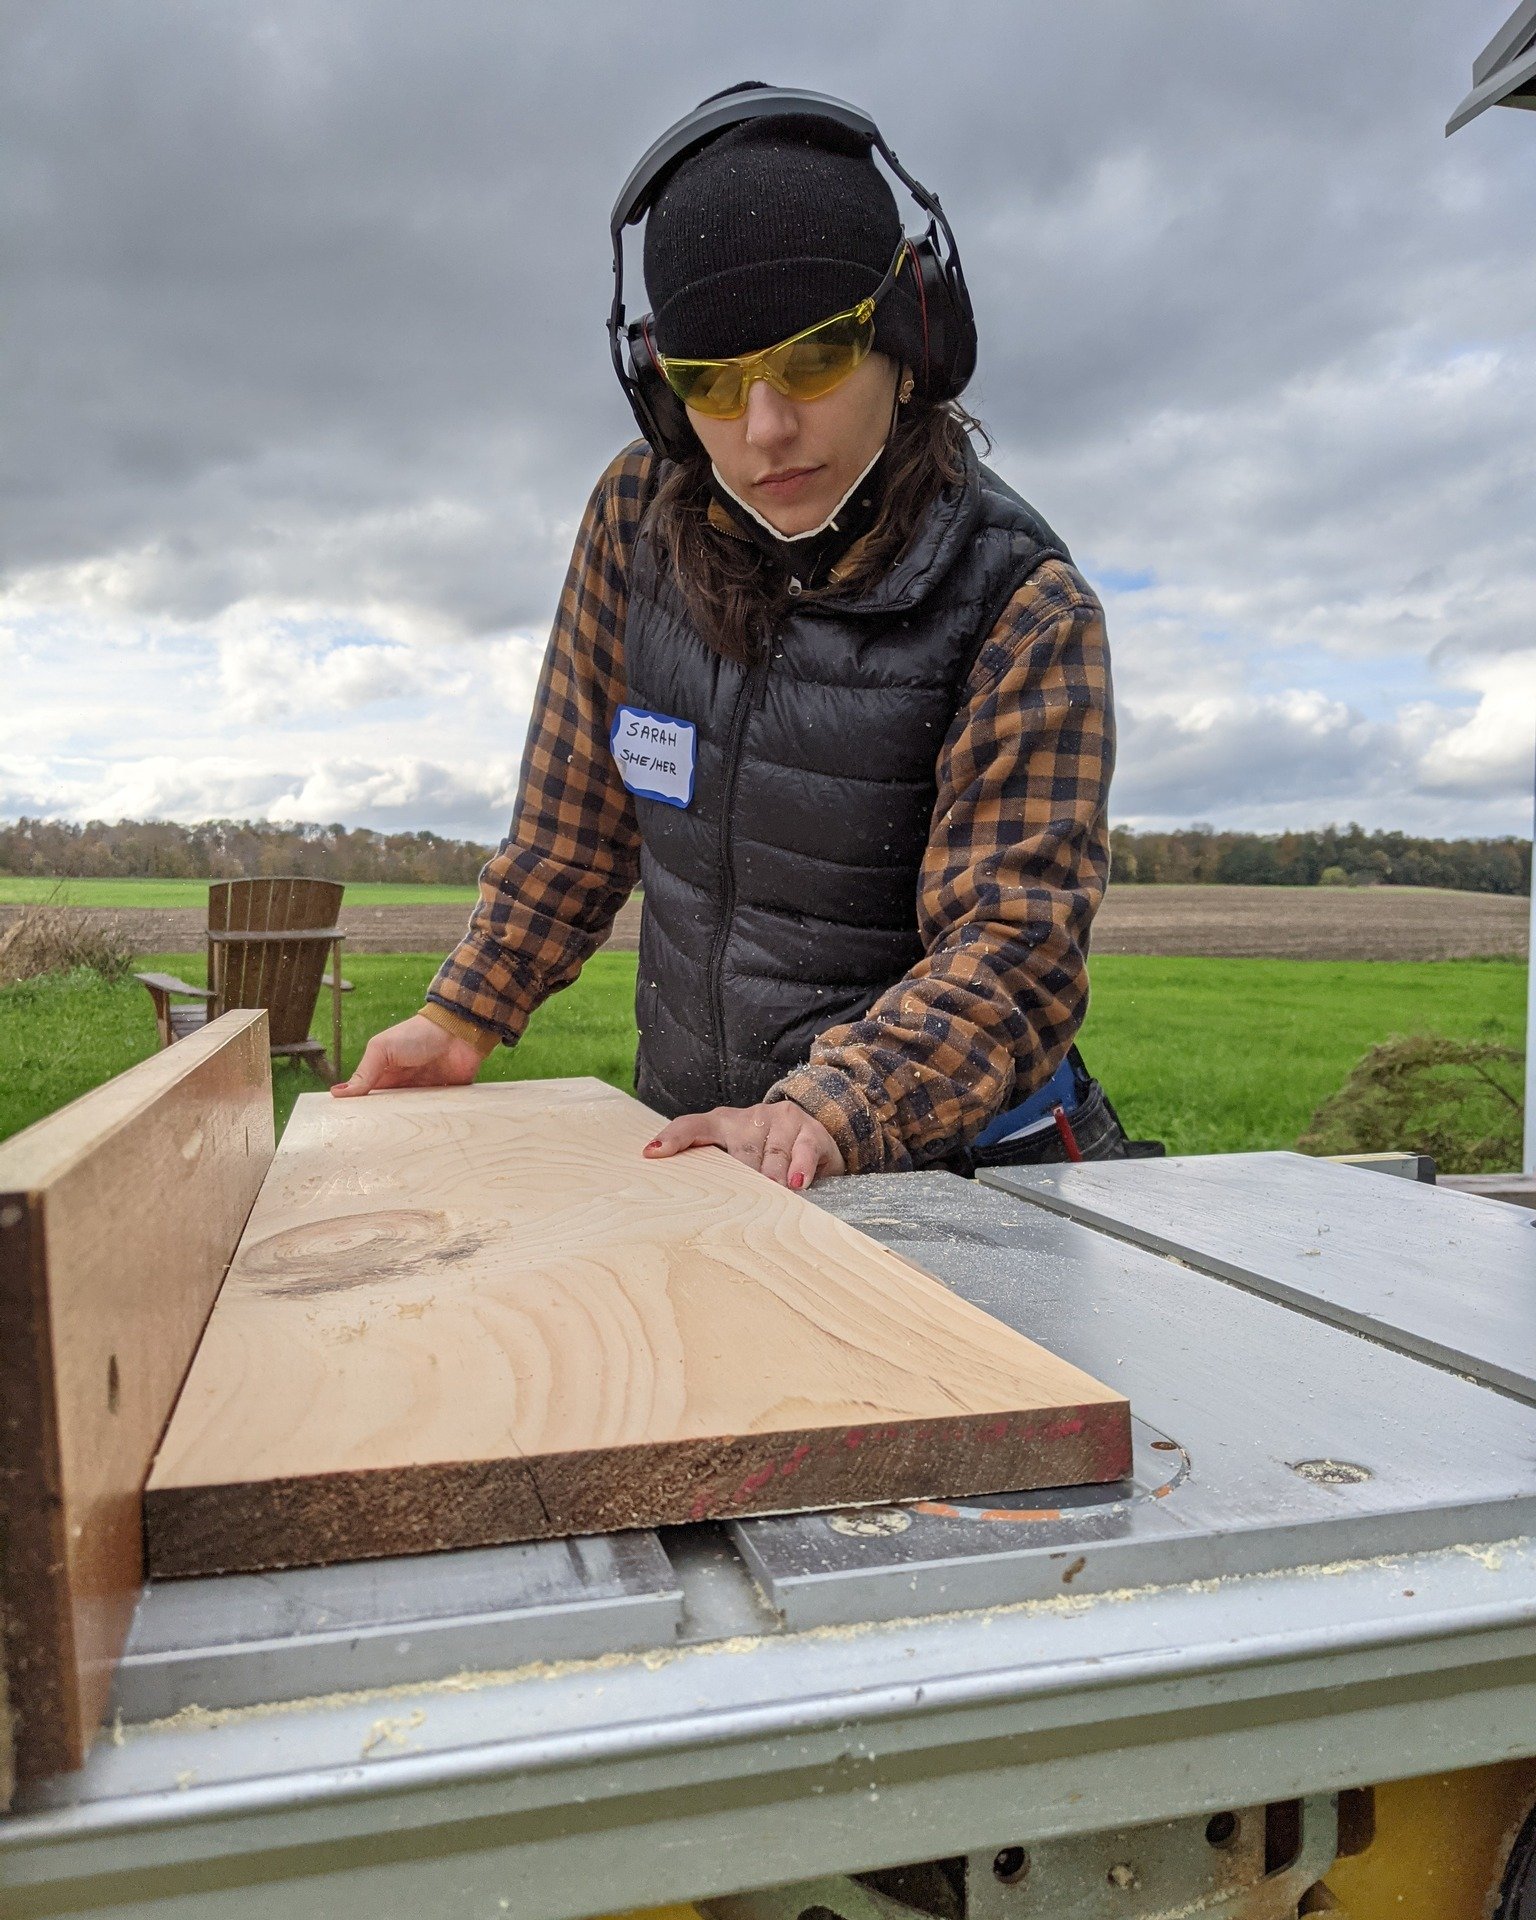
{"x":234,"y":1640}
{"x":721,"y":1598}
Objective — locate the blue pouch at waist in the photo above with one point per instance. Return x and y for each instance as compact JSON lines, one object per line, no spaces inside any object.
{"x":1035,"y":1112}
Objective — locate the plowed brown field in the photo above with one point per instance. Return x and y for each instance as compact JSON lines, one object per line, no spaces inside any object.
{"x":1288,"y":923}
{"x":1312,"y":923}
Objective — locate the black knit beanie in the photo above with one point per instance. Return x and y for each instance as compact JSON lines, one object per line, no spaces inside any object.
{"x":776,"y":224}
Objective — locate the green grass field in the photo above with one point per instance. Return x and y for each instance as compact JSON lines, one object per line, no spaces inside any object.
{"x":1209,"y":1055}
{"x":1219,"y":1056}
{"x":64,"y":1033}
{"x":19,"y":890}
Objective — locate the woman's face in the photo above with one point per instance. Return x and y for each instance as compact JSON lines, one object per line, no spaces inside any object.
{"x":793,"y":460}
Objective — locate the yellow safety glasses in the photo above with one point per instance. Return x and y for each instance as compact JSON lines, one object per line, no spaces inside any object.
{"x":803,"y":367}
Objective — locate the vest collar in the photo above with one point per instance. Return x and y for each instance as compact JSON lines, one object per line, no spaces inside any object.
{"x":726,"y":522}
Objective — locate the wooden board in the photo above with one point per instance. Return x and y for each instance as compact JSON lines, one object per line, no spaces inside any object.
{"x":118,"y":1216}
{"x":477,"y":1314}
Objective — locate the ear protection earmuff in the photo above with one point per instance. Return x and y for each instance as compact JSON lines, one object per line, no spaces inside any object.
{"x":949,"y":325}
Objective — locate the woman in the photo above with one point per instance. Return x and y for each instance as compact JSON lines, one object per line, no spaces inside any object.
{"x":828,"y":688}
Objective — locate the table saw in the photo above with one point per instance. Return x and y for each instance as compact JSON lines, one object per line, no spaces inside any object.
{"x":1167,"y":1696}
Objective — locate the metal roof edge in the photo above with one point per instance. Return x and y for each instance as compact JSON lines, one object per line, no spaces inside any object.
{"x":1509,"y":41}
{"x":1519,"y":72}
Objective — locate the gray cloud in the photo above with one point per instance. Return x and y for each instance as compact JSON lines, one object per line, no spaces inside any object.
{"x":305,"y":323}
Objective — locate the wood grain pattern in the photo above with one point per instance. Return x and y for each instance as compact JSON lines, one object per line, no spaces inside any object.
{"x":118,"y":1216}
{"x":474,"y":1315}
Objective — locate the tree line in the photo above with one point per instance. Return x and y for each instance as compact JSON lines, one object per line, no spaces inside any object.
{"x":226,"y":849}
{"x":230,"y":849}
{"x":1320,"y":856}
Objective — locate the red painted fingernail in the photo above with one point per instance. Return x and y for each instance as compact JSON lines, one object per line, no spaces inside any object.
{"x":650,"y":1144}
{"x":797,"y":1180}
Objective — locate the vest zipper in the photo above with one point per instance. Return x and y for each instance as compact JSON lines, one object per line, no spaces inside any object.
{"x":745,"y":701}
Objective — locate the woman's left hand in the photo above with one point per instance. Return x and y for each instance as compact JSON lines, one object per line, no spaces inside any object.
{"x":777,"y":1138}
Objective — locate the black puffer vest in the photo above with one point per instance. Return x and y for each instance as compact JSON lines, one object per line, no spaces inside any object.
{"x":783,"y":898}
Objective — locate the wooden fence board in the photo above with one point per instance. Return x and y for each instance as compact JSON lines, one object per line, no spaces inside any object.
{"x":470,"y":1315}
{"x":118,"y":1216}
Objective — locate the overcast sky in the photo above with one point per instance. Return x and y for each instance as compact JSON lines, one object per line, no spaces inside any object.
{"x":304,"y":379}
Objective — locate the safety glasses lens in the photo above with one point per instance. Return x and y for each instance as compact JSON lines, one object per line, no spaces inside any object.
{"x":803,"y":368}
{"x":708,"y":386}
{"x":816,"y":362}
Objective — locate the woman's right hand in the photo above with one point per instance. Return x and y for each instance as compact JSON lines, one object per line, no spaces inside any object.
{"x":416,"y":1053}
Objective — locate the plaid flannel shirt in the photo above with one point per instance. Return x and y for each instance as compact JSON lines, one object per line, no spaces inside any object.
{"x":1014,"y":869}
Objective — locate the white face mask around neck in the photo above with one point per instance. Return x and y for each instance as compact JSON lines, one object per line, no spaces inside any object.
{"x":789,"y":539}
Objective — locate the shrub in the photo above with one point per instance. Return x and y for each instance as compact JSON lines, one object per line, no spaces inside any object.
{"x":47,"y":939}
{"x":1333,"y":877}
{"x":1459,"y":1100}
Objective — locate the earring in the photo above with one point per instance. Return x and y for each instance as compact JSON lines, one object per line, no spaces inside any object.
{"x":906,"y":391}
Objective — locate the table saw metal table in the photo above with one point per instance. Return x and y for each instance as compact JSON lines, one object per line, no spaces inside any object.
{"x":1322,"y":1574}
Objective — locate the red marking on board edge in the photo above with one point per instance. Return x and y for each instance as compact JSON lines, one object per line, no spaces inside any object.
{"x":755,"y":1482}
{"x":1028,"y":1426}
{"x":1112,"y":1454}
{"x":1111,"y":1461}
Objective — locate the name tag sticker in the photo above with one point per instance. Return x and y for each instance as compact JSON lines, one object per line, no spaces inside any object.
{"x":655,"y":754}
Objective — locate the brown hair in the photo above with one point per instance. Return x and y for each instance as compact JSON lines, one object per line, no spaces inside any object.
{"x":737,"y":594}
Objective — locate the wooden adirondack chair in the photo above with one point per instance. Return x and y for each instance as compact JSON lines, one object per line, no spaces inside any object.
{"x":267,"y":947}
